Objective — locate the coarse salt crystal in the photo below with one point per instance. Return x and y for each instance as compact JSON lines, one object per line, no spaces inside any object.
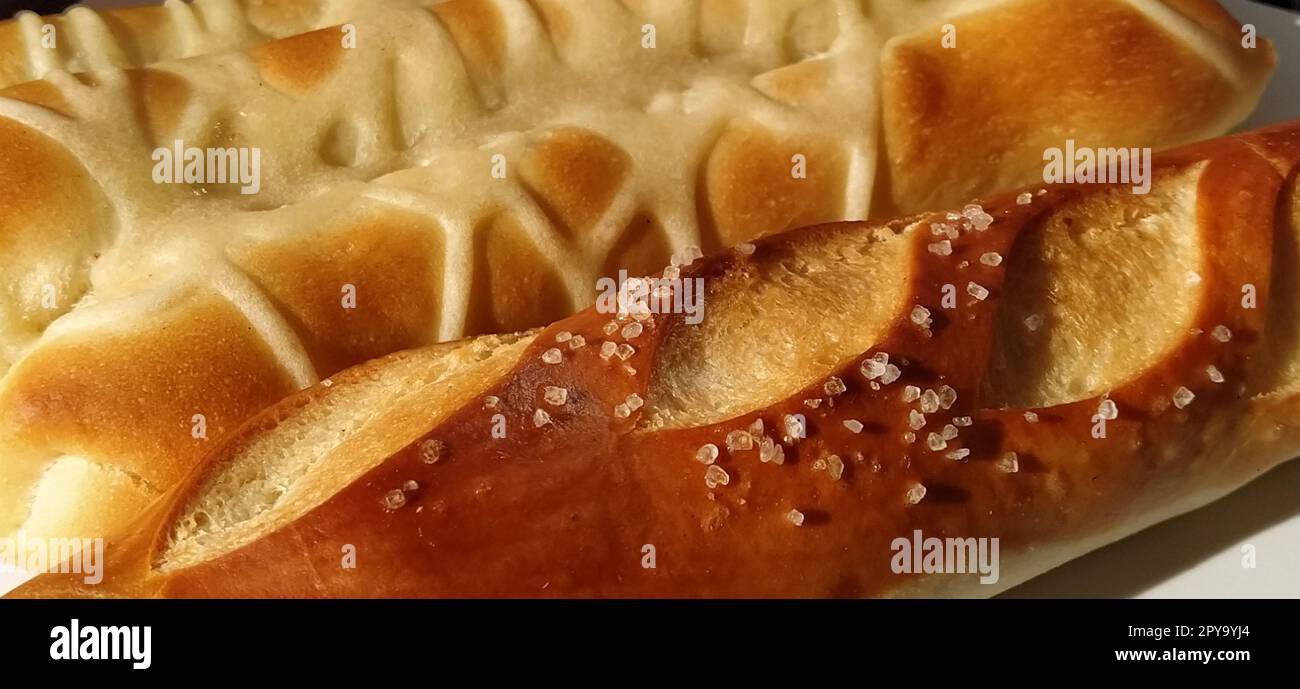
{"x":921,"y":316}
{"x":872,"y":369}
{"x":947,"y":396}
{"x":793,"y":426}
{"x":943,"y":229}
{"x":739,"y":440}
{"x":716,"y":476}
{"x":1010,"y":463}
{"x":769,"y":451}
{"x":835,"y":466}
{"x":394,"y":499}
{"x":432,"y":450}
{"x":556,"y":397}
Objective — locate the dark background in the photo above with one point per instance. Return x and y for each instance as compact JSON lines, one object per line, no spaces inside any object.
{"x":9,"y":7}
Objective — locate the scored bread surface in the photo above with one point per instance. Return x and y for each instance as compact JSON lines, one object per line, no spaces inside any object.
{"x":83,"y":39}
{"x":143,"y":322}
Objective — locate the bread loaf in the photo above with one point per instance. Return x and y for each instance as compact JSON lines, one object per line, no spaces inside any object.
{"x":142,"y":321}
{"x":1112,"y":359}
{"x":84,"y":40}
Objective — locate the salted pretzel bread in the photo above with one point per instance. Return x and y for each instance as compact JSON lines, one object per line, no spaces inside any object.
{"x":1166,"y":319}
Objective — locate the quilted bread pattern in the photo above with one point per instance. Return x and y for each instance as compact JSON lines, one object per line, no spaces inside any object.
{"x":83,"y":40}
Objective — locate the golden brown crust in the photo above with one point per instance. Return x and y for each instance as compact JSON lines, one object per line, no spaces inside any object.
{"x":138,"y":405}
{"x":54,"y":220}
{"x":299,"y":64}
{"x":514,"y":287}
{"x":479,"y":32}
{"x":942,"y":135}
{"x":757,"y":183}
{"x":161,"y":99}
{"x":642,"y":249}
{"x":575,"y":174}
{"x":566,"y":508}
{"x":357,"y":291}
{"x":128,"y":37}
{"x":41,"y":93}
